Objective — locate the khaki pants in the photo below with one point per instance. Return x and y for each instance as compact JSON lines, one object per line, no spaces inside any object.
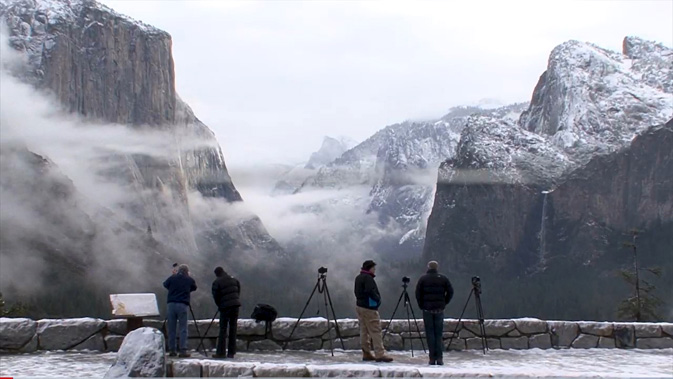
{"x":370,"y":328}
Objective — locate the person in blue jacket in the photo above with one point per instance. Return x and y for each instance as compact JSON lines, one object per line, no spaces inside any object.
{"x":179,"y":286}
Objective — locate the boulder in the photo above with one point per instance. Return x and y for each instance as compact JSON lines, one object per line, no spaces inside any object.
{"x":208,"y":343}
{"x":606,"y":343}
{"x":250,"y":327}
{"x":271,"y":370}
{"x":16,"y":332}
{"x":186,"y":369}
{"x":563,"y":333}
{"x":474,"y":343}
{"x":116,"y":326}
{"x":539,"y":341}
{"x":93,"y":343}
{"x":399,"y":326}
{"x":393,"y":342}
{"x":307,"y":328}
{"x":399,"y":372}
{"x":451,"y":324}
{"x":352,"y":371}
{"x":113,"y":342}
{"x":667,"y":328}
{"x":465,"y":333}
{"x":647,"y":330}
{"x":530,"y":325}
{"x":514,"y":342}
{"x":241,"y":345}
{"x":625,"y":336}
{"x":223,"y":369}
{"x":31,"y":346}
{"x":352,"y":343}
{"x":140,"y":355}
{"x":493,"y":343}
{"x":203,"y":326}
{"x":654,"y":343}
{"x":603,"y":329}
{"x":309,"y":344}
{"x":264,"y":345}
{"x":64,"y":334}
{"x":514,"y":333}
{"x":585,"y":341}
{"x":493,"y":328}
{"x":349,"y":327}
{"x":456,"y":344}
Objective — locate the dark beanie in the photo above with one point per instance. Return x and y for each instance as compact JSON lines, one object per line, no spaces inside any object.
{"x":219,"y":271}
{"x":367,"y":265}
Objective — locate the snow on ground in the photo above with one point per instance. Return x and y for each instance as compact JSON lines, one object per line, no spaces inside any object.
{"x":530,"y":363}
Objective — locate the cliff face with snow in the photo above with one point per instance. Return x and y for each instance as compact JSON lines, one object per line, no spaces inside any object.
{"x":589,"y":160}
{"x":109,"y":68}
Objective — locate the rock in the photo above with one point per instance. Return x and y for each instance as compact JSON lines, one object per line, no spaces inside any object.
{"x":154,"y":323}
{"x":227,"y":369}
{"x":624,"y":335}
{"x":603,"y":329}
{"x":399,"y":326}
{"x":249,"y":327}
{"x":585,"y":341}
{"x":493,"y":343}
{"x":539,"y":341}
{"x":451,"y":324}
{"x":393,"y":342}
{"x":514,"y":343}
{"x":113,"y":342}
{"x":117,"y":326}
{"x":241,"y":345}
{"x":399,"y":372}
{"x":606,"y":343}
{"x":264,"y":345}
{"x":141,"y":354}
{"x":203,"y":325}
{"x":667,"y":328}
{"x":64,"y":334}
{"x":563,"y":333}
{"x":474,"y":343}
{"x":307,"y":328}
{"x":465,"y":333}
{"x":654,"y":343}
{"x":93,"y":343}
{"x":208,"y":343}
{"x":514,"y":333}
{"x":647,"y":330}
{"x":349,"y":327}
{"x":456,"y":344}
{"x":352,"y":343}
{"x":16,"y":332}
{"x":186,"y":369}
{"x":308,"y":344}
{"x":268,"y":370}
{"x":31,"y":346}
{"x":494,"y":328}
{"x":352,"y":371}
{"x":415,"y":343}
{"x":530,"y":326}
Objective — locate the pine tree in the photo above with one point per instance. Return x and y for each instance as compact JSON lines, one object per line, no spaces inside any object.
{"x":643,"y":304}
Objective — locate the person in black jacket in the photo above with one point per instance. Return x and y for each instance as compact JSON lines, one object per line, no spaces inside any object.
{"x":368,"y":302}
{"x":180,"y":286}
{"x":226,"y":293}
{"x":433,"y":294}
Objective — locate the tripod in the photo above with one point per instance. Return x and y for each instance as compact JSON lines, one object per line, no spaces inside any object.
{"x":321,"y":287}
{"x":206,"y":334}
{"x":476,"y":290}
{"x":407,"y":305}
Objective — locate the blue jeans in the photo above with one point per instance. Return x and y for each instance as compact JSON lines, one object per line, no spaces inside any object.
{"x":434,"y":330}
{"x":177,"y":313}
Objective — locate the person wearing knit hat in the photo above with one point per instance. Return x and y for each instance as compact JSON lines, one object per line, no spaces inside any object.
{"x":368,"y":302}
{"x":433,"y":294}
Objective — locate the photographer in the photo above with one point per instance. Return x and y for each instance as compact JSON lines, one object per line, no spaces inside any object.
{"x":226,"y":293}
{"x":433,"y":294}
{"x":179,"y":286}
{"x":368,"y":302}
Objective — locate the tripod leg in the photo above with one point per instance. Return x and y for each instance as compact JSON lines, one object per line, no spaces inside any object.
{"x":482,"y":327}
{"x":460,"y":318}
{"x":416,"y":322}
{"x":329,"y":327}
{"x":206,"y":333}
{"x":302,"y":312}
{"x":196,"y":325}
{"x":393,"y":315}
{"x":336,"y":324}
{"x":406,"y":307}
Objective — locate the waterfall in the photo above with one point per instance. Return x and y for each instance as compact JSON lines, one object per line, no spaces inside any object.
{"x":542,"y":225}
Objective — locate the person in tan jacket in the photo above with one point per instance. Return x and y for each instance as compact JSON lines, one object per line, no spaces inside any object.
{"x":368,"y":302}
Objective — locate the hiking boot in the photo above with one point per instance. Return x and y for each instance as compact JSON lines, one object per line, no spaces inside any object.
{"x":384,"y":358}
{"x":230,"y":356}
{"x":172,"y":354}
{"x":432,"y":362}
{"x":368,"y":356}
{"x":184,"y":354}
{"x":219,"y":356}
{"x":440,"y":362}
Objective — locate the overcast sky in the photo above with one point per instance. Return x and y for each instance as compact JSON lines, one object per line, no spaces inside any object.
{"x":272,"y":78}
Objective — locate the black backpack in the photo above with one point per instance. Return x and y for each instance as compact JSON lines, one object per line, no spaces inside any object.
{"x":266,"y":313}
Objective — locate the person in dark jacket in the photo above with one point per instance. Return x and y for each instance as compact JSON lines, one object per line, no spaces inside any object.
{"x":180,"y":286}
{"x":368,"y":302}
{"x":433,"y":294}
{"x":226,"y":293}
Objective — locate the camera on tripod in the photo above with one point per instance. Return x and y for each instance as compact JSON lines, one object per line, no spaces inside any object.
{"x":476,"y":284}
{"x":322,"y":270}
{"x":406,"y":280}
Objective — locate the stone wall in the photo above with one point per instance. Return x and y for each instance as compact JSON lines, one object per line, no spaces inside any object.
{"x":21,"y":335}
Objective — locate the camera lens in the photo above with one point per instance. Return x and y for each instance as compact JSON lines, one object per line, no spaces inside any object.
{"x":322,"y":270}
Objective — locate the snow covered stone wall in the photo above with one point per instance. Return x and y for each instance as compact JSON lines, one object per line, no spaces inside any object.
{"x":25,"y":335}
